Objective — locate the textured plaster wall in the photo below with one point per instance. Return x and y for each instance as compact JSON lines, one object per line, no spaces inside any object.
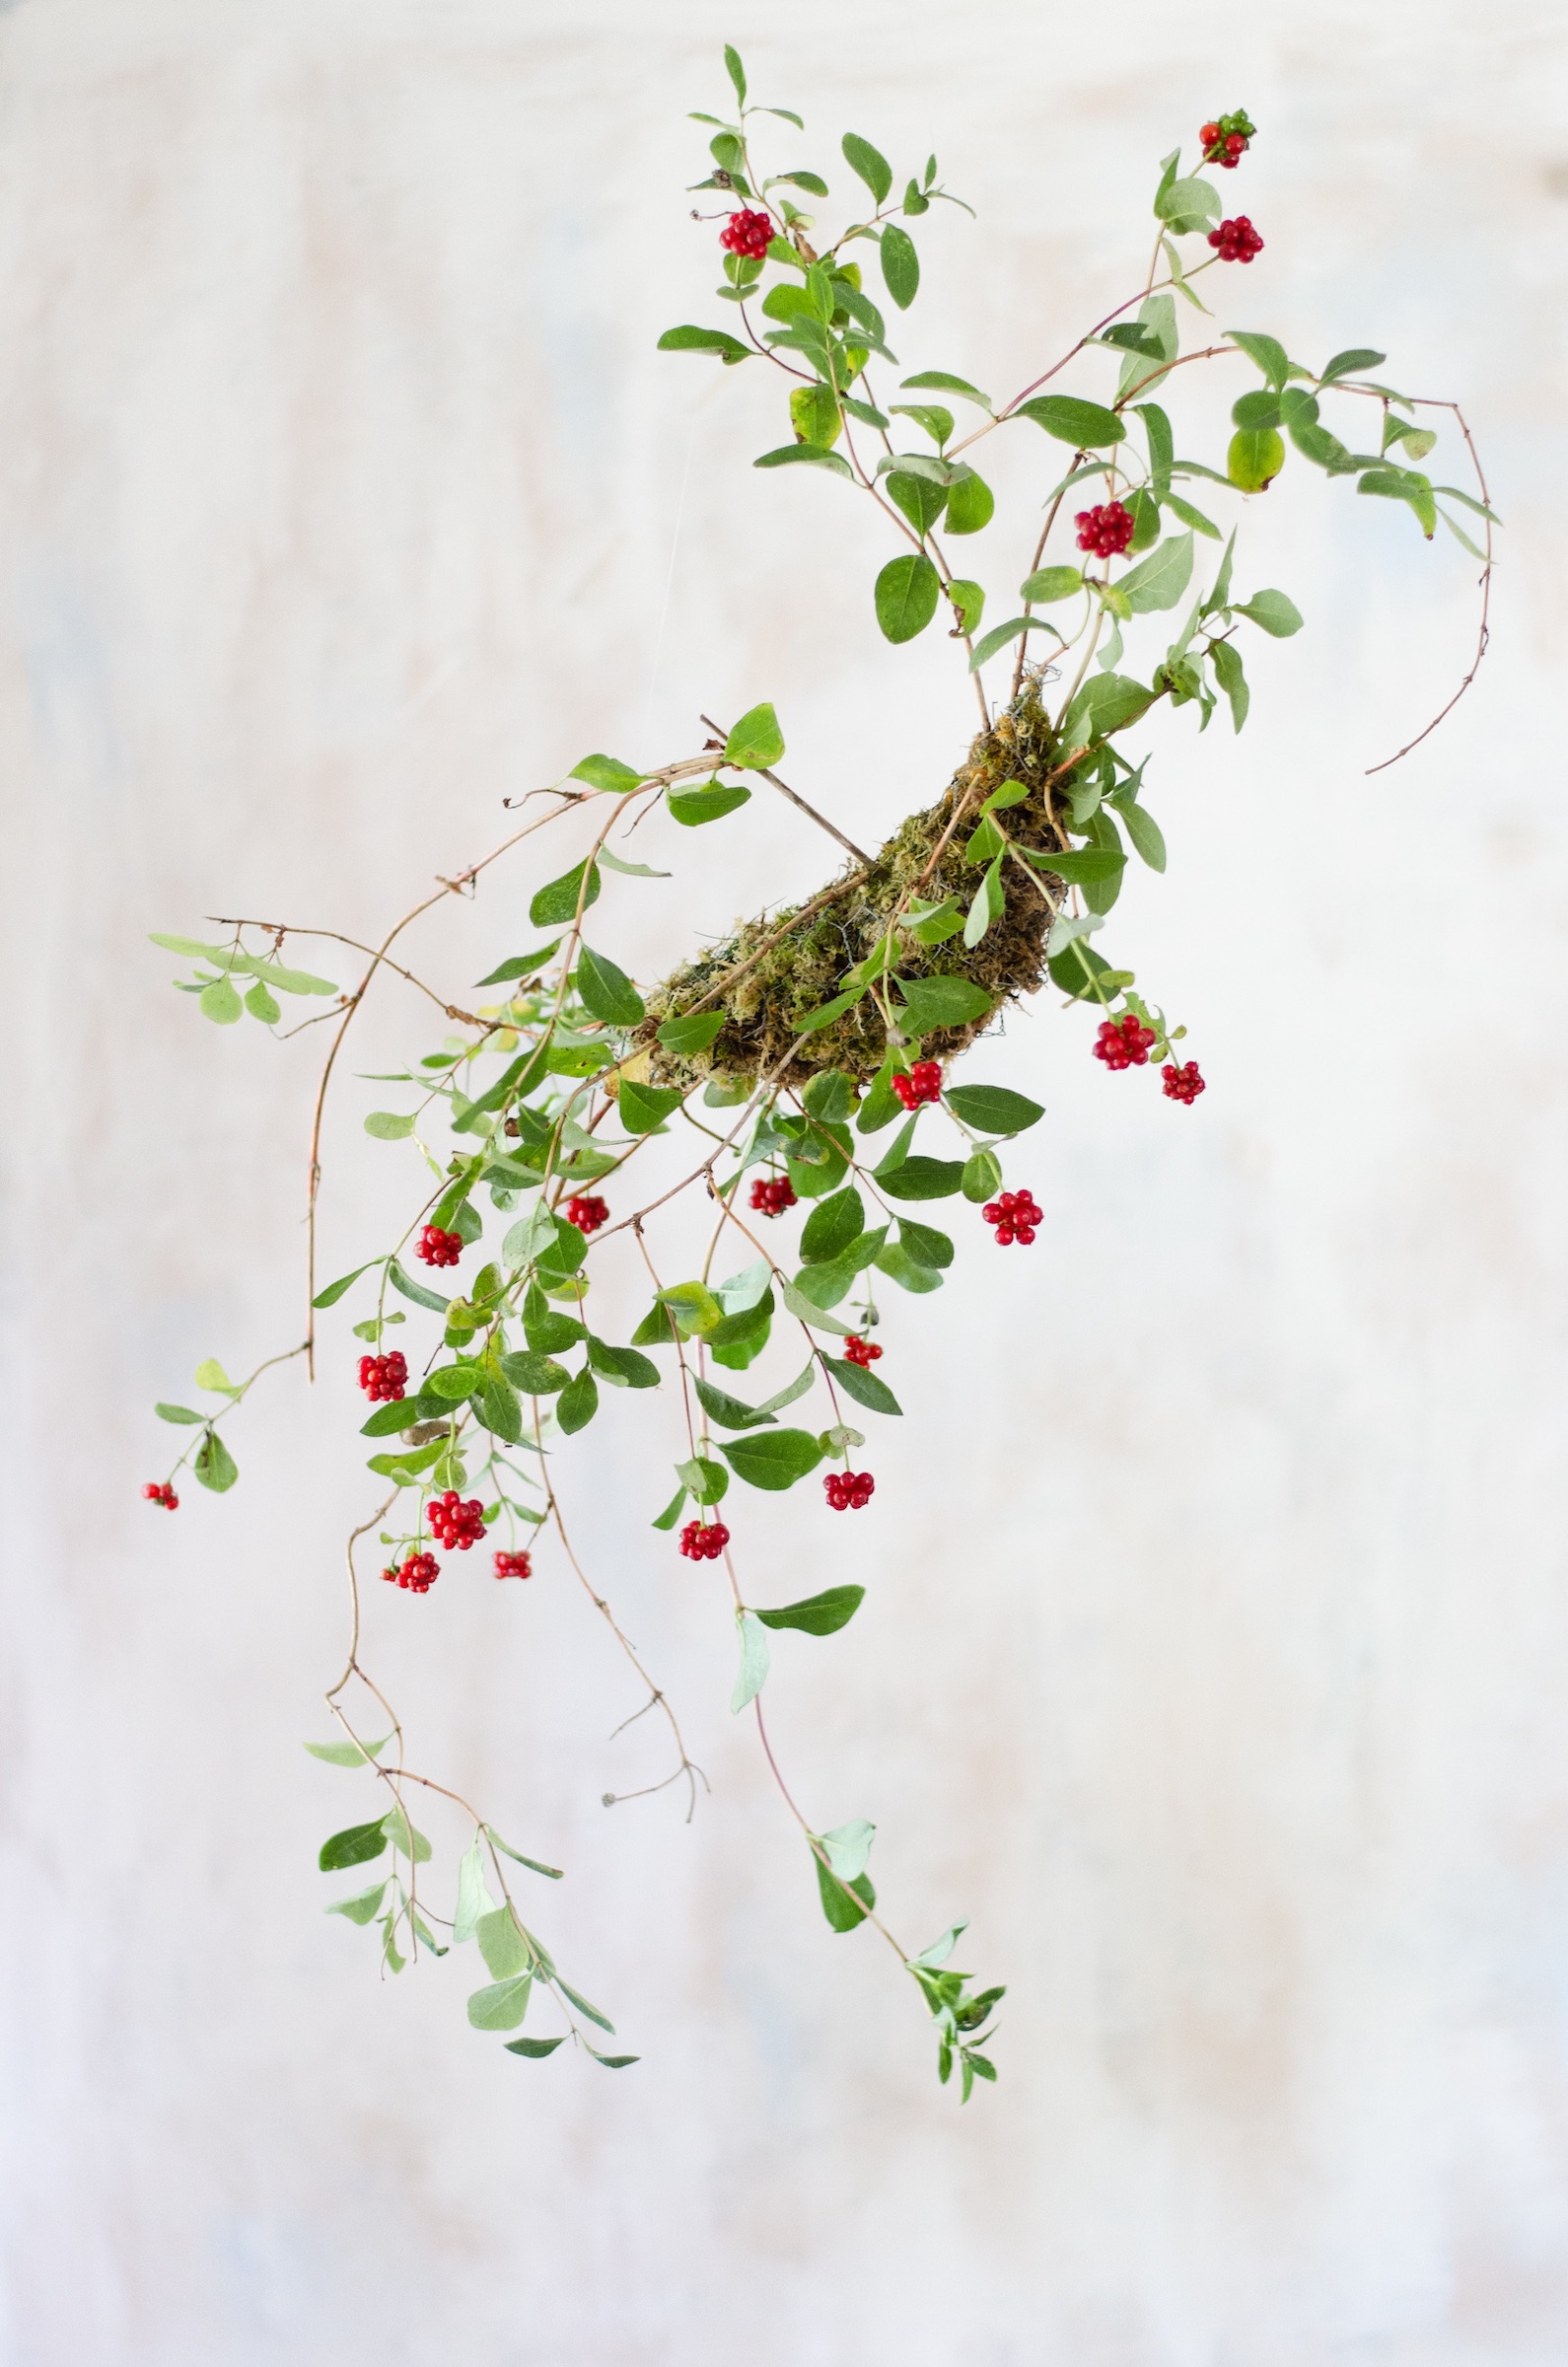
{"x":1216,"y":1650}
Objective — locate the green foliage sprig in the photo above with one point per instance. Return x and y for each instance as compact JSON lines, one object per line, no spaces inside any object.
{"x":787,"y":1051}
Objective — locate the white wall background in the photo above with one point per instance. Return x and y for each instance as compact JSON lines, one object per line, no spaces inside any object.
{"x":1216,"y":1650}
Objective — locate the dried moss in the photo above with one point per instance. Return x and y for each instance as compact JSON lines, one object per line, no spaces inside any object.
{"x":772,"y":973}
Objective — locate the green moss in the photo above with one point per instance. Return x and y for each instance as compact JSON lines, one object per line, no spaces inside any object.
{"x":773,"y":971}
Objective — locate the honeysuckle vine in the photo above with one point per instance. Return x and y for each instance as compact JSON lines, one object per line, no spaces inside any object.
{"x":812,"y":1049}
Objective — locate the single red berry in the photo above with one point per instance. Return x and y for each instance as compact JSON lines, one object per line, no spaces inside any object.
{"x":1209,"y":134}
{"x":1182,"y":1084}
{"x":587,"y":1214}
{"x":437,"y":1247}
{"x":747,"y":234}
{"x":1236,"y":242}
{"x":154,"y":1491}
{"x":513,"y":1565}
{"x":1107,"y":530}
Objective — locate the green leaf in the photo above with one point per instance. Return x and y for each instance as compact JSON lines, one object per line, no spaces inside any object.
{"x":1352,"y":363}
{"x":988,"y":904}
{"x":473,"y":1898}
{"x":842,"y":1912}
{"x":622,"y":1365}
{"x":1001,"y":634}
{"x":1107,"y":703}
{"x":502,"y":2005}
{"x":1159,"y":581}
{"x":630,"y":871}
{"x":177,"y":1413}
{"x":1262,"y":408}
{"x":209,"y":1374}
{"x":824,"y":1285}
{"x":261,"y":1005}
{"x":895,"y":1261}
{"x":556,"y":900}
{"x":607,"y":773}
{"x":1143,"y":830}
{"x":863,"y":1386}
{"x":1231,"y":675}
{"x":191,"y":947}
{"x":501,"y":1942}
{"x":901,"y":267}
{"x":818,"y":1614}
{"x":982,"y":1176}
{"x":787,"y":453}
{"x":642,"y":1108}
{"x":694,"y":807}
{"x":924,"y":1242}
{"x":1186,"y":205}
{"x":1048,"y":584}
{"x":704,"y":340}
{"x":831,"y":1226}
{"x":362,"y":1906}
{"x":219,"y":1002}
{"x":993,"y":1109}
{"x":214,"y":1466}
{"x":577,"y":1403}
{"x":906,"y":595}
{"x":347,"y":1754}
{"x":606,"y":992}
{"x":871,"y":167}
{"x":1254,"y":459}
{"x":971,"y":504}
{"x":797,"y":1387}
{"x":945,"y":382}
{"x":334,"y":1290}
{"x":921,"y":1178}
{"x":751,"y":1674}
{"x":730,"y":1412}
{"x":534,"y":2050}
{"x":1190,"y":516}
{"x":814,"y":415}
{"x":825,"y":1013}
{"x":773,"y":1459}
{"x":355,"y":1845}
{"x":1267,"y":353}
{"x":1273,"y":613}
{"x":684,"y":1036}
{"x":593,"y":2013}
{"x":695,"y":1309}
{"x":830,"y":1094}
{"x":388,"y":1126}
{"x":1085,"y":425}
{"x":756,"y":742}
{"x":921,"y":501}
{"x":554,"y":1873}
{"x":704,"y":1480}
{"x":737,"y":73}
{"x":452,"y":1383}
{"x":941,"y":1002}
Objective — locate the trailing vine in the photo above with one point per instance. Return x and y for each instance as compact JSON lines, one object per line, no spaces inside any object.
{"x":812,"y":1048}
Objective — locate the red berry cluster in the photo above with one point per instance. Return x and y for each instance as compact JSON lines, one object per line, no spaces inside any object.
{"x":383,"y":1377}
{"x":1123,"y":1043}
{"x":455,"y":1522}
{"x":159,"y":1491}
{"x":1237,"y":242}
{"x":848,"y":1491}
{"x":703,"y":1541}
{"x":1227,"y":139}
{"x":439,"y":1249}
{"x":1106,"y":530}
{"x":1182,"y":1084}
{"x":1014,"y":1216}
{"x":772,"y":1198}
{"x":587,"y":1214}
{"x":747,"y":234}
{"x":418,"y":1574}
{"x":860,"y":1351}
{"x":922,"y":1084}
{"x":513,"y":1565}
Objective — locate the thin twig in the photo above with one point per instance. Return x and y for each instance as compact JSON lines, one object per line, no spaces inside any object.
{"x":796,"y":799}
